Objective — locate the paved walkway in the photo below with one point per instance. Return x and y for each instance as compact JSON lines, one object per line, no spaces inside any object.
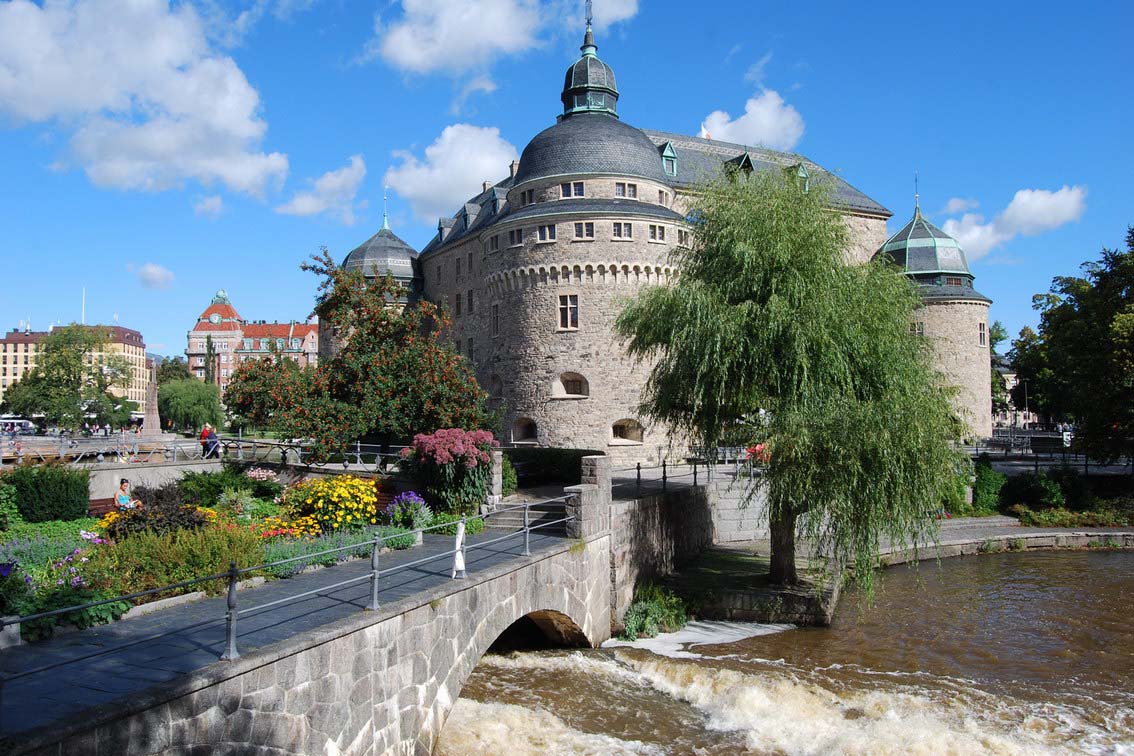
{"x":175,"y":641}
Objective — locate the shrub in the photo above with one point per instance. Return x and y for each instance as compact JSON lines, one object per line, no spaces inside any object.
{"x":1059,"y":517}
{"x":453,"y":466}
{"x":260,"y":509}
{"x":1076,"y":491}
{"x":408,"y":510}
{"x":9,"y":512}
{"x":35,"y":554}
{"x":15,"y":591}
{"x":1031,"y":490}
{"x":339,"y":502}
{"x":165,"y":516}
{"x":986,"y":488}
{"x":203,"y":489}
{"x":265,"y":483}
{"x":508,"y":481}
{"x":162,"y":497}
{"x":52,"y":597}
{"x":235,"y":501}
{"x":148,"y":559}
{"x":50,"y":492}
{"x":654,"y":609}
{"x":52,"y":530}
{"x":473,"y":527}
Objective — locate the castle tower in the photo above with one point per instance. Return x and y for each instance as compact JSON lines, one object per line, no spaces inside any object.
{"x":953,"y":316}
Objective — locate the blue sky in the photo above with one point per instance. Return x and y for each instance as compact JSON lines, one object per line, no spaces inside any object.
{"x":157,"y":154}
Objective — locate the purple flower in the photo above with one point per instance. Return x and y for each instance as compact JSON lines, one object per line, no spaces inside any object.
{"x":6,"y":568}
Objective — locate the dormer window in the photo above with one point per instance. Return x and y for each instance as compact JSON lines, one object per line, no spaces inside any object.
{"x":954,"y":281}
{"x":670,"y":165}
{"x":571,"y":189}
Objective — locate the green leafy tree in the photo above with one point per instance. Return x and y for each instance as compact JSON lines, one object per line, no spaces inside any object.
{"x":73,"y":380}
{"x":393,"y":376}
{"x":1079,"y":367}
{"x":259,"y":388}
{"x":172,"y":369}
{"x":190,"y":403}
{"x":769,"y":325}
{"x":997,"y":335}
{"x":210,"y":360}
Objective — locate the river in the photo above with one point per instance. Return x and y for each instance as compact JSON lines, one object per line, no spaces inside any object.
{"x":1012,"y":653}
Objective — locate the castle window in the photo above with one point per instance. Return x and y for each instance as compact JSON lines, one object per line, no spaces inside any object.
{"x":547,"y":233}
{"x":629,"y":191}
{"x":472,"y":351}
{"x":515,"y":237}
{"x":527,"y":197}
{"x":663,"y":197}
{"x":670,"y":165}
{"x":470,"y":263}
{"x":657,"y":233}
{"x":438,"y":272}
{"x":982,"y":331}
{"x":584,"y":230}
{"x":470,"y":303}
{"x":623,"y":230}
{"x":457,"y":305}
{"x":494,"y":243}
{"x":458,"y":269}
{"x":627,"y":432}
{"x":495,"y":320}
{"x":570,"y":386}
{"x":524,"y":431}
{"x":568,"y":312}
{"x":682,"y":238}
{"x":571,"y":189}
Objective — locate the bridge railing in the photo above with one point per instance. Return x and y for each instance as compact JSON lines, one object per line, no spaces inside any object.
{"x":233,"y":575}
{"x":694,"y":471}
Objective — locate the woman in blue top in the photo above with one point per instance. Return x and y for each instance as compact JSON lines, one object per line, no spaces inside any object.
{"x":122,"y":497}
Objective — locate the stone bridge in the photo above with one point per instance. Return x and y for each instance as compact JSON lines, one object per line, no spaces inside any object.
{"x":371,"y":682}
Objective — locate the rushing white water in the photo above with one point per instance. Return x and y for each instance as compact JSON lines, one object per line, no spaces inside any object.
{"x":700,"y":633}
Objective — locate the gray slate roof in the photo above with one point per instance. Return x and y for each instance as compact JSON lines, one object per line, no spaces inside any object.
{"x":617,"y":206}
{"x":381,"y":254}
{"x":951,"y":292}
{"x":699,"y":160}
{"x":591,"y":143}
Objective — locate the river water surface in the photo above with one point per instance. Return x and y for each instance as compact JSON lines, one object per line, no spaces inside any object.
{"x":1010,"y":653}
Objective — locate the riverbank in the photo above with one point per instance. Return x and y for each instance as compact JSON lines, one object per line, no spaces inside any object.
{"x":729,"y":581}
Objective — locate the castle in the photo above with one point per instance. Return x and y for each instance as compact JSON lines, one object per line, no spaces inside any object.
{"x":536,"y":268}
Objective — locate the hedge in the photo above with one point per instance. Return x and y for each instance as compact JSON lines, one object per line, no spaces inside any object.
{"x":50,"y":492}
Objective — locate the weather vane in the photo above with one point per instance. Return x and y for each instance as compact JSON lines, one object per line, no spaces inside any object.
{"x":589,"y":16}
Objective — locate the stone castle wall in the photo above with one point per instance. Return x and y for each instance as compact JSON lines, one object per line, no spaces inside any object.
{"x":953,"y":327}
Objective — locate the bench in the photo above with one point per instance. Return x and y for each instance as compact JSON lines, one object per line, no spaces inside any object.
{"x":101,"y":507}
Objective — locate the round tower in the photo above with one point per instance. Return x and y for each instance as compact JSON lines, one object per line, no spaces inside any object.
{"x":953,"y":315}
{"x":588,"y":223}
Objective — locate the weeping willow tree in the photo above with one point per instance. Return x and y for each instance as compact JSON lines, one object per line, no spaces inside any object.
{"x":769,"y":321}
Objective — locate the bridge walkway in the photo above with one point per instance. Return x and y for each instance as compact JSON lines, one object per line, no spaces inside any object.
{"x":175,"y":641}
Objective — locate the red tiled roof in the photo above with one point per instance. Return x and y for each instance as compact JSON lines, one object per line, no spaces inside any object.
{"x":226,"y":311}
{"x":278,"y":330}
{"x":204,"y":325}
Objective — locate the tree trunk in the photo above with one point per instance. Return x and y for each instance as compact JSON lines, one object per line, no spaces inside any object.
{"x":782,"y":528}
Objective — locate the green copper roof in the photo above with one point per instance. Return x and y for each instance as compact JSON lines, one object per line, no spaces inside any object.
{"x":921,"y":247}
{"x":589,"y":86}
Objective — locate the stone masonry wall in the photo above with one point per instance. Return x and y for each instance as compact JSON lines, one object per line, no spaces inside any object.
{"x":954,"y":329}
{"x":652,"y":536}
{"x":734,"y":519}
{"x":375,"y":683}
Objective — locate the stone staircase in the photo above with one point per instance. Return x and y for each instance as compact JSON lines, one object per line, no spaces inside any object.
{"x":540,"y":513}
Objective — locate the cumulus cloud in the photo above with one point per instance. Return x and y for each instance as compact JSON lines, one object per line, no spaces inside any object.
{"x":154,"y":276}
{"x":210,"y":206}
{"x":767,"y":121}
{"x":1031,"y":212}
{"x":463,"y":39}
{"x":959,"y":205}
{"x":332,"y":193}
{"x":452,"y":169}
{"x":147,"y":100}
{"x":472,"y":86}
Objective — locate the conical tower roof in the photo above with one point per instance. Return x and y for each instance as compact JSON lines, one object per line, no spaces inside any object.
{"x":922,"y":248}
{"x":383,"y":253}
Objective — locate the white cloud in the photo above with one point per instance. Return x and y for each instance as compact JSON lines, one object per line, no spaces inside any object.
{"x":332,"y":193}
{"x":452,"y":170}
{"x":209,"y":206}
{"x":959,"y":205}
{"x":154,"y":276}
{"x":148,"y":101}
{"x":1031,"y":212}
{"x":478,"y":84}
{"x":755,"y":72}
{"x":454,"y":35}
{"x":463,"y":38}
{"x":767,"y":121}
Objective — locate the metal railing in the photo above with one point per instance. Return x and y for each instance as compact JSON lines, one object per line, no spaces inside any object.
{"x":233,"y":575}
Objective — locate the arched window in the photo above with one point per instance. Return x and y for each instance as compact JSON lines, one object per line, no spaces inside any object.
{"x":495,"y":386}
{"x":627,"y":432}
{"x":570,"y":386}
{"x":524,"y":431}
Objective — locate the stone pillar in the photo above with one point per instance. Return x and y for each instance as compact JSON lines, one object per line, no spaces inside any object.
{"x":589,"y":502}
{"x":495,"y":483}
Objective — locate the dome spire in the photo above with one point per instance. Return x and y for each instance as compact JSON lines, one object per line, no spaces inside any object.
{"x":385,"y":208}
{"x":589,"y":47}
{"x":589,"y":86}
{"x":916,"y":197}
